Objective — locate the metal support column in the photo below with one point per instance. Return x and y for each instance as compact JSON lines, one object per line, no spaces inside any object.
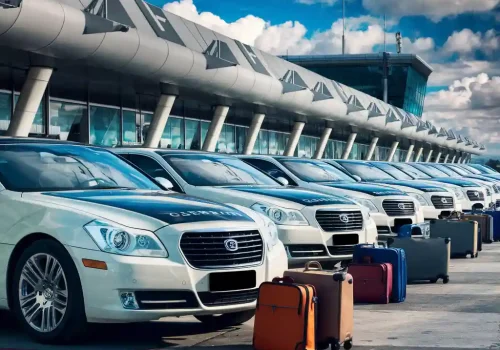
{"x":159,"y":122}
{"x":293,"y":141}
{"x":409,"y":154}
{"x":348,"y":147}
{"x":429,"y":156}
{"x":322,"y":142}
{"x":394,"y":147}
{"x":371,"y":149}
{"x":215,"y":128}
{"x":253,"y":133}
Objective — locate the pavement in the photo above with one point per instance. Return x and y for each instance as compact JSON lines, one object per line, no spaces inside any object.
{"x":464,"y":314}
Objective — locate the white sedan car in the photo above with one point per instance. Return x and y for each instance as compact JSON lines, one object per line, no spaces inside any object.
{"x":312,"y":225}
{"x":86,"y":237}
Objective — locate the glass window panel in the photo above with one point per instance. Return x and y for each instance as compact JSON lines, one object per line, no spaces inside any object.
{"x":263,"y":142}
{"x":241,"y":139}
{"x":204,"y":131}
{"x":104,"y":126}
{"x":273,"y":143}
{"x":225,"y":144}
{"x":192,"y":134}
{"x":130,"y":128}
{"x":5,"y":109}
{"x":173,"y":134}
{"x":67,"y":120}
{"x":38,"y":126}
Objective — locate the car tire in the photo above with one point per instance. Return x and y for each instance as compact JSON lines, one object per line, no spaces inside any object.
{"x":47,"y":282}
{"x":226,"y":320}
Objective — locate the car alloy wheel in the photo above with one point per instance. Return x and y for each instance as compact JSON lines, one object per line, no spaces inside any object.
{"x":43,"y":292}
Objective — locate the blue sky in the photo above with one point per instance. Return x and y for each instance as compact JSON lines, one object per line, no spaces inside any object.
{"x":460,"y":39}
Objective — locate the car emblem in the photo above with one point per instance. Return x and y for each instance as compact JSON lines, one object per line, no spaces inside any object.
{"x":401,"y":206}
{"x":476,"y":193}
{"x":444,"y":201}
{"x":344,"y":218}
{"x":231,"y":245}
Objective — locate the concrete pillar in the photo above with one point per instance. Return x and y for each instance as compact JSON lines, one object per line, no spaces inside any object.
{"x":419,"y":154}
{"x":459,"y":159}
{"x":394,"y":147}
{"x":446,"y":158}
{"x":348,"y":147}
{"x":371,"y":149}
{"x":215,"y":128}
{"x":253,"y":133}
{"x":29,"y":100}
{"x":322,"y":142}
{"x":453,"y":158}
{"x":160,"y":118}
{"x":429,"y":156}
{"x":293,"y":141}
{"x":410,"y":152}
{"x":438,"y":157}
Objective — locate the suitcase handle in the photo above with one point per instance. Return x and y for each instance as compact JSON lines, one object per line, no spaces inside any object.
{"x":285,"y":279}
{"x":313,"y":265}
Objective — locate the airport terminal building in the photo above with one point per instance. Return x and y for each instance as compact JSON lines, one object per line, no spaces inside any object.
{"x":123,"y":72}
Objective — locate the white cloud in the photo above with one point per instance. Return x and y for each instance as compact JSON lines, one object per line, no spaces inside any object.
{"x":470,"y":106}
{"x":466,"y":42}
{"x":314,"y":2}
{"x":445,"y":73}
{"x":433,"y":9}
{"x":363,"y":33}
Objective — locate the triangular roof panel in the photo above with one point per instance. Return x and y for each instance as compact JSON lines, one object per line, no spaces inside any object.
{"x":374,"y":111}
{"x":391,"y":117}
{"x":321,"y":92}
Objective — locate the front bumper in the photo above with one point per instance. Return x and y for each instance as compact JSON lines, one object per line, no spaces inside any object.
{"x":430,"y":212}
{"x":392,"y":223}
{"x":156,"y":275}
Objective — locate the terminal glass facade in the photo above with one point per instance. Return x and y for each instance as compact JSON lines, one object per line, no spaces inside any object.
{"x":108,"y":125}
{"x":407,"y":87}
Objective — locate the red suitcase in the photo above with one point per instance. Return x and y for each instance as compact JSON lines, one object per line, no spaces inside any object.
{"x":372,"y":283}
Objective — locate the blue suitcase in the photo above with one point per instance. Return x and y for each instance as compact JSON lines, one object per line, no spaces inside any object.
{"x":422,"y":230}
{"x":496,"y":223}
{"x":394,"y":256}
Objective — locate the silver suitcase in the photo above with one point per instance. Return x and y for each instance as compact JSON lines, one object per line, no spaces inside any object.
{"x":463,"y":236}
{"x":427,"y":259}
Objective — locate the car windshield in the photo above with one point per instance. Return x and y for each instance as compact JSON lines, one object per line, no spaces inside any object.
{"x":412,"y":171}
{"x":459,"y":170}
{"x":393,"y":171}
{"x":366,"y":171}
{"x":472,"y":169}
{"x":201,"y":169}
{"x":484,"y":169}
{"x":60,"y":167}
{"x":315,"y":171}
{"x":431,"y":171}
{"x":446,"y":170}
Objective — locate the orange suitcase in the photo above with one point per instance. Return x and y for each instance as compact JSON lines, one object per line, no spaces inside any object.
{"x":335,"y":304}
{"x":285,"y":318}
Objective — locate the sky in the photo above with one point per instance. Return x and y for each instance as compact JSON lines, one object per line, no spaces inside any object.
{"x":460,"y":39}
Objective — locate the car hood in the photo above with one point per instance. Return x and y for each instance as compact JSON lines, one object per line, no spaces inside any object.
{"x":455,"y":181}
{"x":166,"y":207}
{"x":370,"y":189}
{"x":421,"y":186}
{"x":297,"y":196}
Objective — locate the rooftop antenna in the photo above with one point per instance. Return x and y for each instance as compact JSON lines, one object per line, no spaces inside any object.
{"x":343,"y":27}
{"x":385,"y":32}
{"x":399,"y":42}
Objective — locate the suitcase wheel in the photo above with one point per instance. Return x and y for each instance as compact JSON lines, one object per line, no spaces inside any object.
{"x":434,"y":280}
{"x":348,"y":345}
{"x":446,"y":279}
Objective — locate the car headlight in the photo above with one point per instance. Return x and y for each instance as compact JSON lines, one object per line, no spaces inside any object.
{"x":364,"y":202}
{"x":458,"y":192}
{"x":421,"y":199}
{"x":114,"y":239}
{"x":281,"y":216}
{"x":272,"y":237}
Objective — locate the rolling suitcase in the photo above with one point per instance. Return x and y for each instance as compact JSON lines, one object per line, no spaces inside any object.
{"x":372,"y":282}
{"x":335,"y":303}
{"x":285,"y":317}
{"x":427,"y":259}
{"x":415,"y":230}
{"x":463,"y":236}
{"x":485,"y":223}
{"x":394,"y":256}
{"x":496,"y":224}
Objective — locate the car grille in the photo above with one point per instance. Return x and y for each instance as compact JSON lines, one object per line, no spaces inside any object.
{"x":442,"y":202}
{"x":341,"y":250}
{"x":228,"y":298}
{"x":305,"y":250}
{"x":207,"y":250}
{"x":398,"y":208}
{"x":339,"y":221}
{"x":475,"y":195}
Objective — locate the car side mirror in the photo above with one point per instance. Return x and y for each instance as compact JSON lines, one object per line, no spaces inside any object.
{"x":357,"y":178}
{"x":164,"y":182}
{"x":282,"y":181}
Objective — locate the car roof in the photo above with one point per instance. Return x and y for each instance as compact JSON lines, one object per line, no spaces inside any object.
{"x":7,"y":140}
{"x":169,"y":150}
